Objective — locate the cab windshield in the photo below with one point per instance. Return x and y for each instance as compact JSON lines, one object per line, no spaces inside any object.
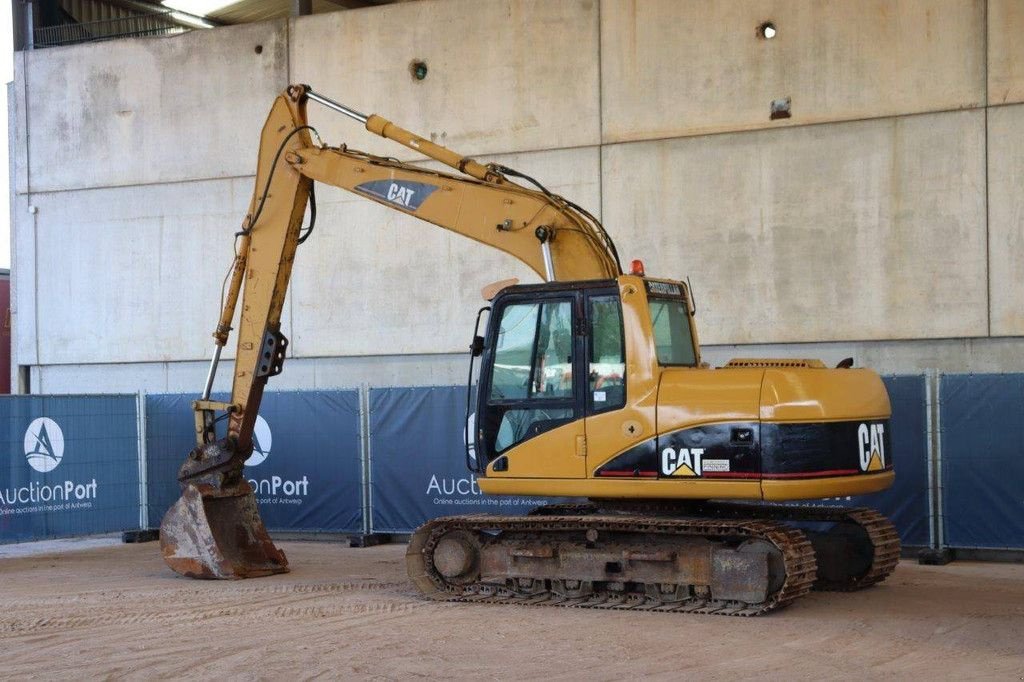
{"x":672,"y":332}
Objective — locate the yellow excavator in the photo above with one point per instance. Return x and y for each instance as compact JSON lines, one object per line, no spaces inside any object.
{"x":591,"y":385}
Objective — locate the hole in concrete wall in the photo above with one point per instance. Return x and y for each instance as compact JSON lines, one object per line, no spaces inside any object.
{"x":767,"y":30}
{"x":418,"y":69}
{"x":780,"y":108}
{"x":259,"y":49}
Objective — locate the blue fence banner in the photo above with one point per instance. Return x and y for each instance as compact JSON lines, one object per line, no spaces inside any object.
{"x":418,"y":461}
{"x":906,"y":503}
{"x":982,"y":432}
{"x":72,"y":466}
{"x":305,"y":467}
{"x":73,"y":461}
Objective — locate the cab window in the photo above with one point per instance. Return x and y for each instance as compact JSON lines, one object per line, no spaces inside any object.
{"x":672,"y":337}
{"x":513,"y":353}
{"x":606,"y":361}
{"x":533,"y":355}
{"x":532,"y":378}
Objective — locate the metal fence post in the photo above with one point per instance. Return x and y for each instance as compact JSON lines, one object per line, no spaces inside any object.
{"x":364,"y":456}
{"x":930,"y":438}
{"x":938,"y":553}
{"x":140,"y":398}
{"x":940,"y":530}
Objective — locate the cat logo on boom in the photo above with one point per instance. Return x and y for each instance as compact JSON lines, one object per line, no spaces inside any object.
{"x":400,"y":195}
{"x":872,"y":447}
{"x":404,"y":194}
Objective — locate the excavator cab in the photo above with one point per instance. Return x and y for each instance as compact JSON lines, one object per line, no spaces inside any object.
{"x":554,"y":367}
{"x":553,"y":353}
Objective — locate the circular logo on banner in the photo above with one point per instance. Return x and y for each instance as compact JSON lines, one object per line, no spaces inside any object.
{"x":262,"y":439}
{"x":44,"y":444}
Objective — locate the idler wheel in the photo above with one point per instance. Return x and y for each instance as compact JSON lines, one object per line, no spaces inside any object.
{"x":457,"y":556}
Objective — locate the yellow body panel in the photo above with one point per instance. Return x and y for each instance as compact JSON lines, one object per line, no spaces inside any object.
{"x":770,"y":490}
{"x":833,"y":486}
{"x":814,"y":395}
{"x":689,"y":397}
{"x":622,"y":488}
{"x":551,"y":454}
{"x":693,"y":488}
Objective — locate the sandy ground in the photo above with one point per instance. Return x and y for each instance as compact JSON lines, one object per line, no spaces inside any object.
{"x":348,"y":613}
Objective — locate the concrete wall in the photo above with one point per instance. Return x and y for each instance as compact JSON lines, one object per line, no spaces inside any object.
{"x":882,"y":220}
{"x":844,"y":258}
{"x":673,"y":68}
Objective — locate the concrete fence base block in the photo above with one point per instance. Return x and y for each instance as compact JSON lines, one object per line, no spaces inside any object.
{"x":369,"y":539}
{"x":144,"y":535}
{"x":936,"y":557}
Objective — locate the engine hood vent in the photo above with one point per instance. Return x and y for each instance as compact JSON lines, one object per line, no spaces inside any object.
{"x":776,"y":363}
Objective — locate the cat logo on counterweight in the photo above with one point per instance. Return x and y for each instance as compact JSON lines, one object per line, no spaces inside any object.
{"x":872,"y":446}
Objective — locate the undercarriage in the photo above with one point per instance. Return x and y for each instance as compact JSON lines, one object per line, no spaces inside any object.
{"x":703,"y":557}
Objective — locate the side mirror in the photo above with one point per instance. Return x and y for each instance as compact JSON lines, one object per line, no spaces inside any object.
{"x":476,"y":348}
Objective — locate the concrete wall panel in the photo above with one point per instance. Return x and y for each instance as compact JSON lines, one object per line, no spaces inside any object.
{"x":391,"y":370}
{"x":864,"y":230}
{"x":17,"y":130}
{"x":1005,"y":51}
{"x":66,"y":379}
{"x":374,"y":281}
{"x":152,"y":110}
{"x":23,"y":283}
{"x":510,"y":75}
{"x":673,"y":68}
{"x":300,"y":374}
{"x":1006,"y":219}
{"x":134,"y":274}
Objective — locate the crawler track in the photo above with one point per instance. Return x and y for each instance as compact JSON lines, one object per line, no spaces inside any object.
{"x":880,"y":533}
{"x":789,"y":545}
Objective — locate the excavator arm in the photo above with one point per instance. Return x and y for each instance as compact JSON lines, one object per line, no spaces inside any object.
{"x":214,"y":530}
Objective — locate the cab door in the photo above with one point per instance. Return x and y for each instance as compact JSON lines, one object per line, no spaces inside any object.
{"x":620,"y":402}
{"x":531,"y":415}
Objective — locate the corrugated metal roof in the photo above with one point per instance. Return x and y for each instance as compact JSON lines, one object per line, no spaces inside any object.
{"x":85,"y":11}
{"x":242,"y":12}
{"x":89,"y":20}
{"x":248,"y":11}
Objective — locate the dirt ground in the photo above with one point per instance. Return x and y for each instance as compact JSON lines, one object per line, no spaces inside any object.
{"x":348,"y":613}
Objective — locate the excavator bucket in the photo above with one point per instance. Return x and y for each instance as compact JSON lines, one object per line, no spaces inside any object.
{"x":214,"y":531}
